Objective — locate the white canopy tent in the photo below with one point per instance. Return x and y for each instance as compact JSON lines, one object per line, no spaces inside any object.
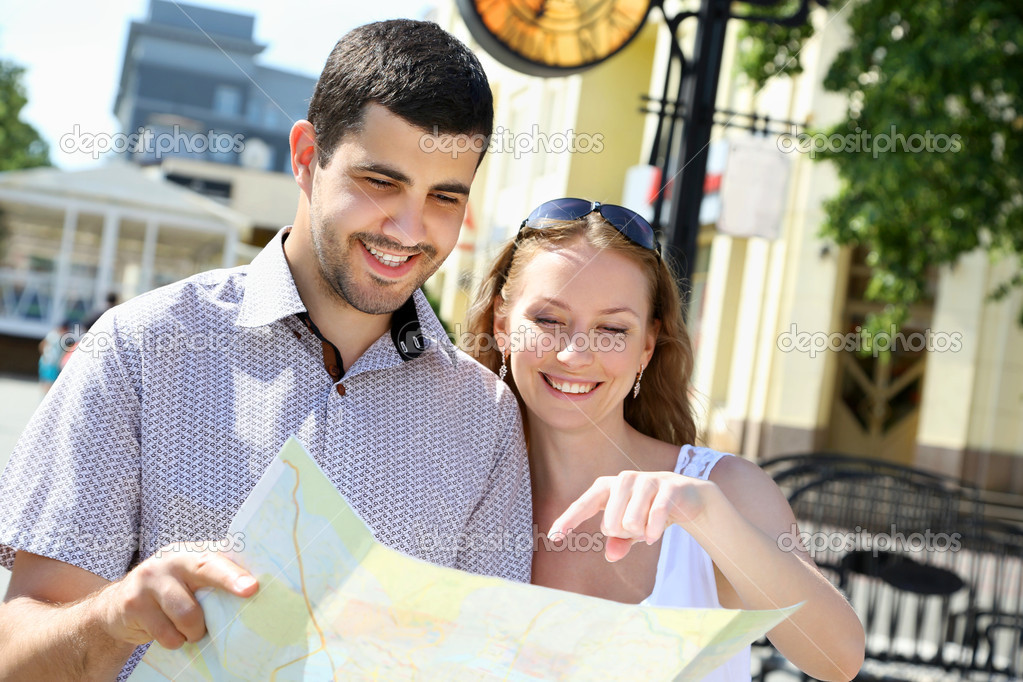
{"x":70,"y":238}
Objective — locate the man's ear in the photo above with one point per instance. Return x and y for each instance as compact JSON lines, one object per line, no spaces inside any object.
{"x":303,"y":155}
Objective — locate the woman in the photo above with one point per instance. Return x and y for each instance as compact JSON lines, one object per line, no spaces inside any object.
{"x":587,"y":321}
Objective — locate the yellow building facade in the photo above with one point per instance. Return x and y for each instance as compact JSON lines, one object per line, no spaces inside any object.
{"x":772,"y":316}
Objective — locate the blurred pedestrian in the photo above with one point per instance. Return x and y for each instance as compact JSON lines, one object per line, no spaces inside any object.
{"x":111,"y":301}
{"x":51,"y":352}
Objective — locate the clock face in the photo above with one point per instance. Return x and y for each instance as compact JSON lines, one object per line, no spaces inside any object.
{"x":553,"y":37}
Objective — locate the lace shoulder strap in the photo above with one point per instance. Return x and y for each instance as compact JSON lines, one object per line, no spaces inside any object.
{"x":698,"y":462}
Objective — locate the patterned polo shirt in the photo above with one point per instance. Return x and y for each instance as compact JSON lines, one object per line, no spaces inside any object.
{"x":176,"y":401}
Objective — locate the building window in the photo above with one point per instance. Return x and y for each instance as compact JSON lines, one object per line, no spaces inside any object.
{"x":253,"y":111}
{"x":271,"y":117}
{"x":227,"y":100}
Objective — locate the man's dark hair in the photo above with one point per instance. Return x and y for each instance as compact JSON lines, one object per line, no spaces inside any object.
{"x":415,"y":69}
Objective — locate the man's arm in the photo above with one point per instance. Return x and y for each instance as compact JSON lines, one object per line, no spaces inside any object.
{"x":61,"y":622}
{"x":499,"y":532}
{"x":43,"y":631}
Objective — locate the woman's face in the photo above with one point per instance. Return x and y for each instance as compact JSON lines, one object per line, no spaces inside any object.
{"x":578,"y":330}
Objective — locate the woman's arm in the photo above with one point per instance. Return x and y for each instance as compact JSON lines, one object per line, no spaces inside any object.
{"x":741,"y":528}
{"x":738,"y":517}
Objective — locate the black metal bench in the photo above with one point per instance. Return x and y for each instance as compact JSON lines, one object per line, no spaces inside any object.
{"x":936,"y":584}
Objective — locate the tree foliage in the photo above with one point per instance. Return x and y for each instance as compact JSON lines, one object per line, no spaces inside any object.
{"x":768,"y":49}
{"x":20,"y":144}
{"x":936,"y":84}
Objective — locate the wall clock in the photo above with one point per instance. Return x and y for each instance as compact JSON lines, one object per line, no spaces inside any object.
{"x":553,"y":37}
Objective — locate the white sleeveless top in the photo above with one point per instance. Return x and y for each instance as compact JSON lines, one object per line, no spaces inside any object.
{"x":685,"y":572}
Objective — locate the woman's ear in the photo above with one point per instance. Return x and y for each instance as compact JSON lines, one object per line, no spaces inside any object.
{"x":652,"y":332}
{"x":500,"y":330}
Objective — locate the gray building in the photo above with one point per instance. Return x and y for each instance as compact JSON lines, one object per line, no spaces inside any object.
{"x":191,"y":87}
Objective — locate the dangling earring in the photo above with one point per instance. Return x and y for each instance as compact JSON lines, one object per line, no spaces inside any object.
{"x":504,"y":367}
{"x":639,"y":377}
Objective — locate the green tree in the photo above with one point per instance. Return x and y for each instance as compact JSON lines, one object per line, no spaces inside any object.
{"x":20,"y":144}
{"x":769,"y":49}
{"x":937,"y":83}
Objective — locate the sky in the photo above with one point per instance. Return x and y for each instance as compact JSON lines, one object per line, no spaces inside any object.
{"x":72,"y":51}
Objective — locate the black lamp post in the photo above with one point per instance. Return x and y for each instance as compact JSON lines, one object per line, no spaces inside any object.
{"x":694,"y":104}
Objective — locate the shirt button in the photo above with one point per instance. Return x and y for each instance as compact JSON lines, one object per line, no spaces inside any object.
{"x":334,"y":372}
{"x":340,"y":389}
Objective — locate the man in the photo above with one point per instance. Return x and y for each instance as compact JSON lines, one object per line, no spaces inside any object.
{"x":162,"y":424}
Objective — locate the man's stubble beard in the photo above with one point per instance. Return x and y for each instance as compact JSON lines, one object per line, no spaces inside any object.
{"x":379,"y":297}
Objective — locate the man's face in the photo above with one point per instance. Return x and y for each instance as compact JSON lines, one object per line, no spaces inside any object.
{"x":385,"y":213}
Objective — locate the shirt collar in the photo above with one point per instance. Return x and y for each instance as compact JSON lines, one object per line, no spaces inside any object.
{"x":271,"y":295}
{"x":270,"y":291}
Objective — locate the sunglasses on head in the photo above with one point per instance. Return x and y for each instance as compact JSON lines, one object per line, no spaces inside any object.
{"x":632,"y":225}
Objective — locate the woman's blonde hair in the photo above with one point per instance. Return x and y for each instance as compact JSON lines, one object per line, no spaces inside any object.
{"x":662,"y":410}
